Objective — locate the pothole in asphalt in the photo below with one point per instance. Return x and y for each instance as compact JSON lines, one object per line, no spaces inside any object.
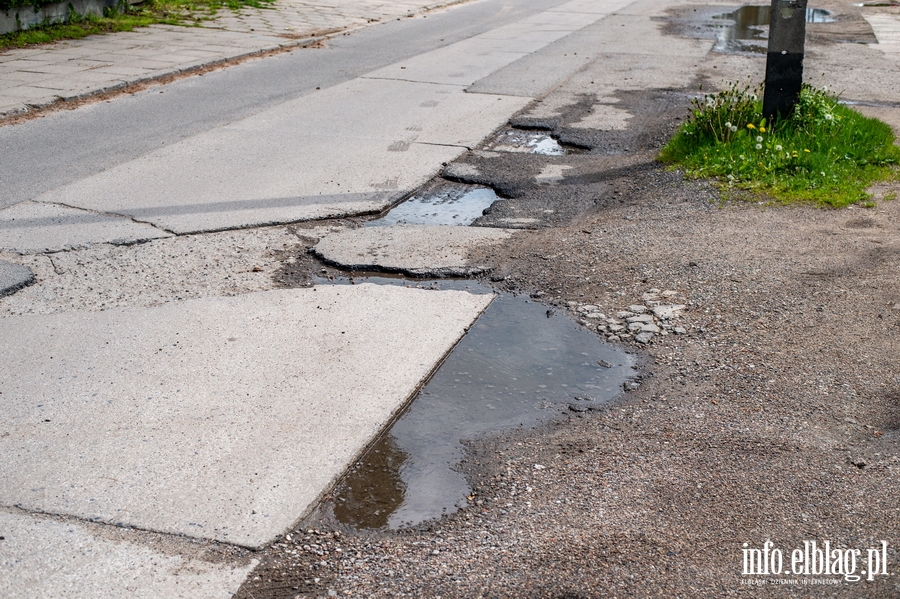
{"x":530,"y":142}
{"x":746,"y":34}
{"x":443,"y":203}
{"x":520,"y":364}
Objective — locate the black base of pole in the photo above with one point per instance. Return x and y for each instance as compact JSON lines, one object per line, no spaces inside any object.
{"x":784,"y":63}
{"x":784,"y":78}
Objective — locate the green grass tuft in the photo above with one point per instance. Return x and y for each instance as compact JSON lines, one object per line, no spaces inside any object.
{"x":824,"y":153}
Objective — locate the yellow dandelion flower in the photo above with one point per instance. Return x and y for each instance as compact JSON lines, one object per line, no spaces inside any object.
{"x":762,"y":129}
{"x":751,"y":126}
{"x":805,"y":150}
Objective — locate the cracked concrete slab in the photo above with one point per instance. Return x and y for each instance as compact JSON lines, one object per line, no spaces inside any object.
{"x":394,"y":111}
{"x":43,"y":556}
{"x":208,"y":184}
{"x":14,"y":277}
{"x":355,"y":148}
{"x":417,"y":250}
{"x":35,"y":227}
{"x":217,"y":418}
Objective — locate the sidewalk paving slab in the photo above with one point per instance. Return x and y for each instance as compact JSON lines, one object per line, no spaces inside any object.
{"x":218,"y":418}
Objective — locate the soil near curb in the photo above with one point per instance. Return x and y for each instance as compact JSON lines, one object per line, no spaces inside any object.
{"x":775,"y":417}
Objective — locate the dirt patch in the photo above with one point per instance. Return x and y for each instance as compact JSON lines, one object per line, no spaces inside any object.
{"x":774,"y":417}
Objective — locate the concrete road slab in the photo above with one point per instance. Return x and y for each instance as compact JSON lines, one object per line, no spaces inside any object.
{"x":229,"y":178}
{"x":353,"y":149}
{"x":539,"y":72}
{"x":467,"y":61}
{"x":461,"y":63}
{"x":396,"y":112}
{"x":43,"y":557}
{"x":418,"y":250}
{"x":13,"y":277}
{"x":601,"y":7}
{"x":33,"y":227}
{"x":218,"y":418}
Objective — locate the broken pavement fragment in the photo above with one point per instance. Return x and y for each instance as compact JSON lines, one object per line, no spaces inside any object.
{"x":13,"y":277}
{"x":668,"y":312}
{"x":36,"y":227}
{"x":417,"y":250}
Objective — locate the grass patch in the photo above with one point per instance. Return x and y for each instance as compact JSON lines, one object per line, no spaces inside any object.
{"x":149,"y":12}
{"x":824,"y":153}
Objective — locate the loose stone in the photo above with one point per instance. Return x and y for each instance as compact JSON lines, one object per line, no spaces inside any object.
{"x":644,"y":318}
{"x":644,"y":337}
{"x":668,"y":312}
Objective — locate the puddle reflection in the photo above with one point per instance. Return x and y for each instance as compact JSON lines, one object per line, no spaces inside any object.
{"x":446,"y":204}
{"x":517,"y":366}
{"x":532,"y":142}
{"x":748,"y":34}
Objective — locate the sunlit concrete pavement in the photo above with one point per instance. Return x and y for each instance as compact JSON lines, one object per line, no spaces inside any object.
{"x":210,"y":425}
{"x":159,"y":415}
{"x":39,"y":76}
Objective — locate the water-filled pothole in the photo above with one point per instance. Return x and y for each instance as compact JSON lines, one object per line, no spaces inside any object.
{"x":746,"y":34}
{"x":446,"y":203}
{"x":520,"y":364}
{"x":530,"y":142}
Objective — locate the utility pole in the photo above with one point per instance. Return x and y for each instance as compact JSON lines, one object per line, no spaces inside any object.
{"x":784,"y":62}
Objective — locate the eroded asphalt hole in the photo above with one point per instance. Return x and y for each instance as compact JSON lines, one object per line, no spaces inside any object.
{"x":446,"y":203}
{"x":746,"y":34}
{"x":520,"y":364}
{"x":530,"y":142}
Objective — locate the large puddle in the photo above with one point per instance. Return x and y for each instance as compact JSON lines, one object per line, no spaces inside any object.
{"x":519,"y":365}
{"x":447,"y":203}
{"x":748,"y":33}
